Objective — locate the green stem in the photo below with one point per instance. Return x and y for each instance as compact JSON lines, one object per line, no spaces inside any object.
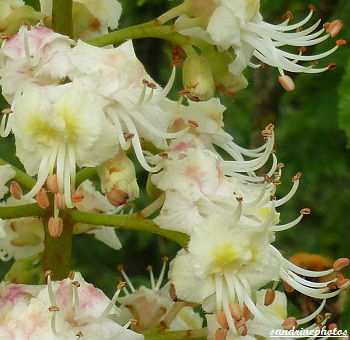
{"x":199,"y":334}
{"x":26,"y":210}
{"x":58,"y":252}
{"x":148,"y":30}
{"x":62,"y":17}
{"x":129,"y":222}
{"x":84,"y":174}
{"x":21,"y":177}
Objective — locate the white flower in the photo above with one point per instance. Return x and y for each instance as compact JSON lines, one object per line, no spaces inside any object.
{"x":238,"y":24}
{"x":206,"y":119}
{"x":23,"y":237}
{"x":61,"y":126}
{"x":6,"y":173}
{"x":7,"y":6}
{"x":95,"y":202}
{"x":194,"y":185}
{"x":37,"y":56}
{"x":220,"y":254}
{"x":105,"y":14}
{"x":228,"y":259}
{"x":60,"y":310}
{"x":151,"y":306}
{"x":256,"y":329}
{"x":137,"y":107}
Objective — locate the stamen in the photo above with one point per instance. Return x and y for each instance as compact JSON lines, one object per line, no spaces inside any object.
{"x":55,"y":226}
{"x":67,"y":180}
{"x":60,"y":202}
{"x":236,"y":311}
{"x":116,"y":196}
{"x":111,"y":304}
{"x":50,"y":289}
{"x":241,"y":327}
{"x":219,"y":291}
{"x":51,"y":183}
{"x":16,"y":190}
{"x":287,"y":83}
{"x":221,"y":334}
{"x":313,"y":315}
{"x":150,"y":270}
{"x":76,"y":285}
{"x":53,"y":324}
{"x":340,"y":42}
{"x":162,"y":272}
{"x":290,"y":323}
{"x":270,"y":296}
{"x":121,"y":269}
{"x":5,"y":126}
{"x":332,"y":66}
{"x":334,"y":27}
{"x":6,"y":111}
{"x":42,"y":199}
{"x":222,"y":320}
{"x":153,"y":207}
{"x":77,"y":198}
{"x":341,"y":263}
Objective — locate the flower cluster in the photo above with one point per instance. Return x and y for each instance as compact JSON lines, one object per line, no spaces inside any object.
{"x":238,"y":25}
{"x":229,"y":212}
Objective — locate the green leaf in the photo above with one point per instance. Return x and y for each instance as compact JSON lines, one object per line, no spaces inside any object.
{"x":344,"y":104}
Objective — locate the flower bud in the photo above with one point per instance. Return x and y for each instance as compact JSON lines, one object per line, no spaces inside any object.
{"x":52,"y":184}
{"x":12,"y":18}
{"x":55,"y":226}
{"x":118,"y":177}
{"x":226,"y":82}
{"x":198,"y":78}
{"x":200,"y":8}
{"x":117,"y":197}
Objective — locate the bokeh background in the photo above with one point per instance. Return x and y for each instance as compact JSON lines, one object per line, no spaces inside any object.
{"x":312,"y":130}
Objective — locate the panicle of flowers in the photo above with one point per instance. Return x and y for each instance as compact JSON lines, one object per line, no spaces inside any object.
{"x":69,"y":128}
{"x":230,"y":214}
{"x":240,"y":26}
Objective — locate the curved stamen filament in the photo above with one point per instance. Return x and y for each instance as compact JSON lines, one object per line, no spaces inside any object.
{"x":297,"y":269}
{"x":161,"y":276}
{"x":313,"y":315}
{"x":289,"y":225}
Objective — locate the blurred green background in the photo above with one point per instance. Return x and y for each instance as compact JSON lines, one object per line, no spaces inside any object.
{"x":312,"y":126}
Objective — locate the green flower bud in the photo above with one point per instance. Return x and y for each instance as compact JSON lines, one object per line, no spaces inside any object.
{"x":85,"y":25}
{"x":119,"y":173}
{"x":198,"y":78}
{"x":226,"y":82}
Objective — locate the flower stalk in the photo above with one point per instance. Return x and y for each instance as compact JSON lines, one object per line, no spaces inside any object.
{"x":62,"y":17}
{"x":57,"y":256}
{"x":199,"y":334}
{"x":21,"y":177}
{"x":129,"y":222}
